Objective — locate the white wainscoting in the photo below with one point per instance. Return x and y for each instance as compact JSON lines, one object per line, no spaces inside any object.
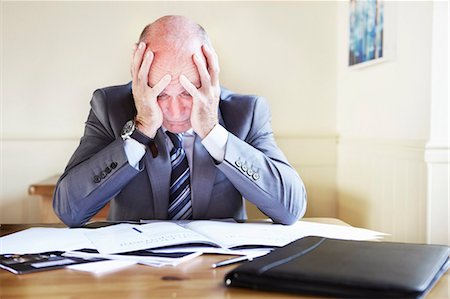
{"x":314,"y":158}
{"x":24,"y":162}
{"x":438,"y":203}
{"x":28,"y":161}
{"x":382,"y":186}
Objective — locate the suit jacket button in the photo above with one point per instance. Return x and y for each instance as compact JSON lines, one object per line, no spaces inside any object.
{"x":108,"y":169}
{"x":256,"y":176}
{"x":103,"y":174}
{"x":244,"y":167}
{"x":97,"y":179}
{"x":250,"y":172}
{"x":238,"y":163}
{"x":113,"y":165}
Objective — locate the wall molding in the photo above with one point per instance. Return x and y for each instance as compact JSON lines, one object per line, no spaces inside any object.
{"x":437,"y":154}
{"x":378,"y":142}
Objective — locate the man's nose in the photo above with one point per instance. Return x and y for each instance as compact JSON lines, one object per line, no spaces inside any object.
{"x":175,"y":107}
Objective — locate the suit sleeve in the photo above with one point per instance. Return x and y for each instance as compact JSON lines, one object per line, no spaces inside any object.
{"x":96,"y":172}
{"x":260,"y":171}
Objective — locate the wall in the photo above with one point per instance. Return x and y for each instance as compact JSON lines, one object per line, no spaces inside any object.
{"x":55,"y":54}
{"x":383,"y":119}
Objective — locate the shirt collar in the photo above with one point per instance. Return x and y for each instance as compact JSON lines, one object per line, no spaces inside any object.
{"x":189,"y":132}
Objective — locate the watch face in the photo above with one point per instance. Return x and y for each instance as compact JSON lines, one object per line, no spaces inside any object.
{"x":128,"y":128}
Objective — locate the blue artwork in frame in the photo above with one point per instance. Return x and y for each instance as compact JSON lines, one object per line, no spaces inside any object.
{"x":366,"y":31}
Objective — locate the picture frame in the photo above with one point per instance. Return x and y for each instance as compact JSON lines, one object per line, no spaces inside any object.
{"x":371,"y":30}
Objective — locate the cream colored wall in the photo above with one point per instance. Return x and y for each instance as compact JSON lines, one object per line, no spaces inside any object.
{"x":437,"y":153}
{"x":55,"y":54}
{"x":383,"y":120}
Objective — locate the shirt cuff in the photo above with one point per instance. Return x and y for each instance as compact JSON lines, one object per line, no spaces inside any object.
{"x":215,"y":142}
{"x":134,"y":152}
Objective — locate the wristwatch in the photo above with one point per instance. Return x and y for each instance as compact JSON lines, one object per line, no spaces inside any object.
{"x":129,"y":130}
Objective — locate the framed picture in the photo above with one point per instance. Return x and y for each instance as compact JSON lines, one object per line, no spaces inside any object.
{"x":368,"y":32}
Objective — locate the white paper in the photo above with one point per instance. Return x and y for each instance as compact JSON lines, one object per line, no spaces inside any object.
{"x":215,"y":250}
{"x":228,"y":235}
{"x":128,"y":237}
{"x":102,"y":266}
{"x":145,"y":260}
{"x":43,"y":239}
{"x":240,"y":234}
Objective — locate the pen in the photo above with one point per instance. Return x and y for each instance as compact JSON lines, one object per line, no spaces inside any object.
{"x":137,"y":230}
{"x":232,"y":261}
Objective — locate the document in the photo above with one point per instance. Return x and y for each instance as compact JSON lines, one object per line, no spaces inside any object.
{"x":102,"y":267}
{"x":129,"y":237}
{"x":220,"y":234}
{"x":145,"y":257}
{"x":44,"y":239}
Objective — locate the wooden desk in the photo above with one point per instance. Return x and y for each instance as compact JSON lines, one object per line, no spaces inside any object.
{"x":193,"y":279}
{"x":44,"y":189}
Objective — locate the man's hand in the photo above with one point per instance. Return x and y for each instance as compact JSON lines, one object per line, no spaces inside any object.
{"x":149,"y":116}
{"x":205,"y":105}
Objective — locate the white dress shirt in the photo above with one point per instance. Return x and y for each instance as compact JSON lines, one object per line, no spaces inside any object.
{"x":215,"y":143}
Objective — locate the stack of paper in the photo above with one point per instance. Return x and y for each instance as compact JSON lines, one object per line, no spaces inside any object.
{"x":160,"y":243}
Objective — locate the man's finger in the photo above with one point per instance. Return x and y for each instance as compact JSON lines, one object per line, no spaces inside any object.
{"x":205,"y":78}
{"x":213,"y":64}
{"x":159,"y":87}
{"x":190,"y":88}
{"x":137,"y":59}
{"x":145,"y":67}
{"x":131,"y":60}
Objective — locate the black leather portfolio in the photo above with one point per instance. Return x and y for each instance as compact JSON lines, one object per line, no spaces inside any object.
{"x":345,"y":269}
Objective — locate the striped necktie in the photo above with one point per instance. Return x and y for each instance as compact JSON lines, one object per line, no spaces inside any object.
{"x":180,"y":205}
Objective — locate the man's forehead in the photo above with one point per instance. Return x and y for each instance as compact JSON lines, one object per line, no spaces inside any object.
{"x":161,"y":67}
{"x":172,"y":63}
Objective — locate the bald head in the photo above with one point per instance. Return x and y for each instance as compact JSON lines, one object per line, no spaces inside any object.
{"x":172,"y":29}
{"x":175,"y":36}
{"x":173,"y":40}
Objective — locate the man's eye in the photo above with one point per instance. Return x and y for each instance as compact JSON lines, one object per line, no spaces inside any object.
{"x":185,"y":94}
{"x":162,"y":96}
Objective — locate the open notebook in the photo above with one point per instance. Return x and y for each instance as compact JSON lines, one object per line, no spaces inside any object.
{"x":222,"y":234}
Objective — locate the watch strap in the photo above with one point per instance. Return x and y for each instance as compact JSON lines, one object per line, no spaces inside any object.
{"x":141,"y":137}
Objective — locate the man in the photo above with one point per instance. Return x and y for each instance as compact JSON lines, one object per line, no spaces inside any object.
{"x":173,"y":144}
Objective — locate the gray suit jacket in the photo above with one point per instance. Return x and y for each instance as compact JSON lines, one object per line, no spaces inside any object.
{"x":254,"y":168}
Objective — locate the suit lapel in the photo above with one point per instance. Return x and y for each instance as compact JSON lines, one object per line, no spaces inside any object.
{"x":158,"y":170}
